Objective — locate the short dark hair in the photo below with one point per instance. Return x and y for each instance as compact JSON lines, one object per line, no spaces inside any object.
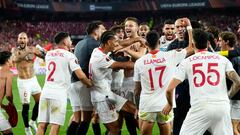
{"x":107,"y":35}
{"x":195,"y":24}
{"x":4,"y":56}
{"x":152,"y":39}
{"x":131,"y":19}
{"x":60,"y":36}
{"x":200,"y":38}
{"x":115,"y":28}
{"x":168,"y":21}
{"x":93,"y":26}
{"x":230,"y":37}
{"x":214,"y":30}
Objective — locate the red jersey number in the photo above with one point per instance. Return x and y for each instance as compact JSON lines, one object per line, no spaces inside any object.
{"x":51,"y":68}
{"x":161,"y":70}
{"x":211,"y":69}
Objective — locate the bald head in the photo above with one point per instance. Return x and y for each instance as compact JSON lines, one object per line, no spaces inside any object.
{"x":22,"y":40}
{"x":179,"y":29}
{"x":22,"y":34}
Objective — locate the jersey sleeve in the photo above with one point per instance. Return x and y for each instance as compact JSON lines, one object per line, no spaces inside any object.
{"x":136,"y":76}
{"x":180,"y":72}
{"x":229,"y":66}
{"x":178,"y":56}
{"x":105,"y":62}
{"x":73,"y":62}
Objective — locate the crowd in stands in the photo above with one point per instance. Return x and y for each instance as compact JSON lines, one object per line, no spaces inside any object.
{"x":42,"y":32}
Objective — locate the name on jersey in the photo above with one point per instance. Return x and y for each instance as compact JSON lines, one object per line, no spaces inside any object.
{"x":54,"y":54}
{"x":214,"y":57}
{"x":154,"y":61}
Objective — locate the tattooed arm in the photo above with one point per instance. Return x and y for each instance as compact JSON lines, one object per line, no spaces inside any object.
{"x":233,"y":76}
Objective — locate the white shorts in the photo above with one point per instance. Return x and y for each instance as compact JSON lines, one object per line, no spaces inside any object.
{"x":127,"y":90}
{"x":235,"y":109}
{"x":105,"y":114}
{"x":4,"y":124}
{"x":211,"y":116}
{"x":80,"y":97}
{"x":28,"y":87}
{"x":52,"y":111}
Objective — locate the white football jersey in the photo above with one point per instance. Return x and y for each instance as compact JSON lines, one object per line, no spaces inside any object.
{"x":60,"y":64}
{"x":164,"y":43}
{"x":101,"y":74}
{"x":155,"y":70}
{"x":206,"y":73}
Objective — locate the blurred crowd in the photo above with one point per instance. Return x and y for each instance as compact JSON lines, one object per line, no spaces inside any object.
{"x":41,"y":32}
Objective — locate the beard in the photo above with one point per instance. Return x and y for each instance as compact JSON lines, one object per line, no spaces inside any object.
{"x":143,"y":35}
{"x":21,"y":46}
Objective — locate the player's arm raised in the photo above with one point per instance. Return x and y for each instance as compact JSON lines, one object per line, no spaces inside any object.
{"x":188,"y":25}
{"x":83,"y":78}
{"x":234,"y":77}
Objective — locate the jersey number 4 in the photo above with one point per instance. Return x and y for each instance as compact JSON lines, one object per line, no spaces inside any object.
{"x":210,"y":69}
{"x":51,"y":68}
{"x":161,"y":69}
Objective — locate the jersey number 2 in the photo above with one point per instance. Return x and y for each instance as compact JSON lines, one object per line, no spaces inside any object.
{"x":161,"y":69}
{"x":210,"y":69}
{"x":51,"y":68}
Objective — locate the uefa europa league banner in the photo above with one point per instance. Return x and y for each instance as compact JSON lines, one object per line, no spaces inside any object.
{"x":123,"y":6}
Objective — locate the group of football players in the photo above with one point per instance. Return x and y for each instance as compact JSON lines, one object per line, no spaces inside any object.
{"x":185,"y":80}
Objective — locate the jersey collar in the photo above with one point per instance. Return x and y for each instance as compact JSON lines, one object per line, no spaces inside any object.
{"x":62,"y":48}
{"x":154,"y":52}
{"x":202,"y":50}
{"x":100,"y":48}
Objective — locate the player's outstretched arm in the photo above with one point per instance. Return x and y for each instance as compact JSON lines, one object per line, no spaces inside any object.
{"x":83,"y":78}
{"x":169,"y":94}
{"x":127,"y":42}
{"x":234,"y":77}
{"x":136,"y":55}
{"x":9,"y":94}
{"x":122,"y":65}
{"x":39,"y":53}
